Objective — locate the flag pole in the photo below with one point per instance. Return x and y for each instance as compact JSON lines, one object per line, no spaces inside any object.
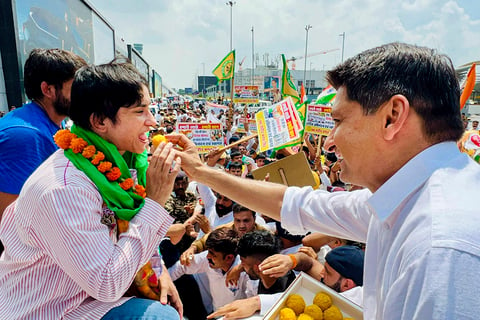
{"x":230,"y":105}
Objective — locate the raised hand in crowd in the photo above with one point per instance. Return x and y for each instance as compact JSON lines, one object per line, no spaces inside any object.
{"x":202,"y":221}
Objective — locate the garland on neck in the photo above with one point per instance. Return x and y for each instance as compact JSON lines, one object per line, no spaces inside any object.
{"x":107,"y":168}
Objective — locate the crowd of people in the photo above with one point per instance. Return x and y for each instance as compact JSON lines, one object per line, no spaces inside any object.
{"x":98,"y":222}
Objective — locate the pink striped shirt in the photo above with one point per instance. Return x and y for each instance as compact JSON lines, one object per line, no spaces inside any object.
{"x":60,"y":261}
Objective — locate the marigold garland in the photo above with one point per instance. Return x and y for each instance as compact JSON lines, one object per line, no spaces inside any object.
{"x":127,"y":184}
{"x":78,"y":144}
{"x":89,"y":151}
{"x":104,"y":166}
{"x":99,"y":156}
{"x":67,"y":140}
{"x":113,"y":174}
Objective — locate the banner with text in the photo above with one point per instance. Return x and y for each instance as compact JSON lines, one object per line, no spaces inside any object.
{"x":206,"y":136}
{"x":252,"y":125}
{"x":246,"y":94}
{"x":319,"y":120}
{"x":277,"y":125}
{"x":214,"y":111}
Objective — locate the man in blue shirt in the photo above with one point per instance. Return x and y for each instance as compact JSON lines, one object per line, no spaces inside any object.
{"x":26,"y":133}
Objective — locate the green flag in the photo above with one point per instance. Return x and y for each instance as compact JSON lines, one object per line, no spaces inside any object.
{"x":288,"y":87}
{"x":225,"y":69}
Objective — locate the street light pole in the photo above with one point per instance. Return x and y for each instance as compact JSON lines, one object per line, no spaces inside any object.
{"x":343,"y":42}
{"x":204,"y":89}
{"x":311,"y":89}
{"x":231,"y":3}
{"x":253,"y":60}
{"x":307,"y":27}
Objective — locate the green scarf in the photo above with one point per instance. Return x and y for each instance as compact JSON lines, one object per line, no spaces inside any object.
{"x":125,"y":204}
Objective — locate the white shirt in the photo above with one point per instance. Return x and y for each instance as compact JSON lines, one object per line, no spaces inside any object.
{"x":60,"y":261}
{"x":422,"y":234}
{"x":209,"y":201}
{"x":221,"y":294}
{"x":355,"y":295}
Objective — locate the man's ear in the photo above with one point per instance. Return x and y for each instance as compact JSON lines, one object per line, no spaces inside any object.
{"x":230,"y":257}
{"x":396,"y":113}
{"x":48,"y":90}
{"x":347,"y":284}
{"x":97,"y":123}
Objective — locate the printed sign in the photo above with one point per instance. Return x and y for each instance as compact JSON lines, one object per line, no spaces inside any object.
{"x":277,"y":125}
{"x":319,"y":120}
{"x":206,"y":136}
{"x":214,"y":111}
{"x":246,"y":94}
{"x":252,"y":125}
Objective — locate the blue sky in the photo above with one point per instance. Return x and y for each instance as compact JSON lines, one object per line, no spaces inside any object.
{"x":183,"y":37}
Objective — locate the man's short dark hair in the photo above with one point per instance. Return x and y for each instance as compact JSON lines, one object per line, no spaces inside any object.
{"x":235,"y":154}
{"x":261,"y":156}
{"x":54,"y":66}
{"x":234,"y":165}
{"x":239,"y":208}
{"x":259,"y":244}
{"x":233,"y":139}
{"x":426,"y":78}
{"x":102,"y":90}
{"x":224,"y":240}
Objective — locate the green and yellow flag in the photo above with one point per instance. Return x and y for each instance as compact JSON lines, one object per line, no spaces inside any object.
{"x":225,"y":69}
{"x":288,"y":87}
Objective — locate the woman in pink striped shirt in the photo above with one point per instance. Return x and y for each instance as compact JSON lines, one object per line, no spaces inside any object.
{"x":92,"y":214}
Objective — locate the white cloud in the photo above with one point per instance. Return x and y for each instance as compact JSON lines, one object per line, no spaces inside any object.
{"x":180,"y":36}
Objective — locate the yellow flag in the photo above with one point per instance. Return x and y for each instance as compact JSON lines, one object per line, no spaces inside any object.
{"x":288,"y":87}
{"x":225,"y":68}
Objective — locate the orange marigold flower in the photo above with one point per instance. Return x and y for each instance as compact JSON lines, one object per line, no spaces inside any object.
{"x":126,"y":184}
{"x":98,"y":157}
{"x":140,"y":190}
{"x":78,"y":144}
{"x":89,"y":151}
{"x":114,"y":174}
{"x":63,"y":138}
{"x":104,"y":166}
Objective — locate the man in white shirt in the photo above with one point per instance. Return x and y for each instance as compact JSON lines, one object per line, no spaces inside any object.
{"x":397,"y":120}
{"x":215,"y":262}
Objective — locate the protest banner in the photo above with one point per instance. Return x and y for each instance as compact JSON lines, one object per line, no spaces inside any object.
{"x":319,"y":120}
{"x":214,"y":110}
{"x":252,"y":125}
{"x":246,"y":94}
{"x":277,"y":125}
{"x":206,"y":136}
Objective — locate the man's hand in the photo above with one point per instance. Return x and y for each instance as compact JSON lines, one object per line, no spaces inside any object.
{"x":187,"y":151}
{"x":233,"y":275}
{"x":189,"y":208}
{"x":238,"y":309}
{"x":213,"y":156}
{"x":168,"y":292}
{"x":308,"y":251}
{"x":318,"y":164}
{"x":160,"y":174}
{"x":276,"y":265}
{"x":187,"y":256}
{"x":202,"y":221}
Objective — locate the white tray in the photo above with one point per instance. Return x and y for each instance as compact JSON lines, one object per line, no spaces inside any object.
{"x":308,"y":287}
